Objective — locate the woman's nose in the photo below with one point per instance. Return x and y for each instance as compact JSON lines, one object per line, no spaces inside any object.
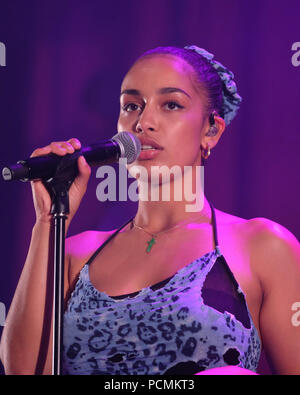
{"x":146,"y":122}
{"x":141,"y":129}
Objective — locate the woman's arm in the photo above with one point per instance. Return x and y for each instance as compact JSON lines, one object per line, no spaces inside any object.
{"x":26,"y":342}
{"x":26,"y":336}
{"x":277,"y":255}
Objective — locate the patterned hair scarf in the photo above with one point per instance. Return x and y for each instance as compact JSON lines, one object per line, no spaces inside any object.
{"x":231,"y":99}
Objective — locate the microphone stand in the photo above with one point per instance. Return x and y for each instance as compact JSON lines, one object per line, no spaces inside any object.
{"x":58,"y":188}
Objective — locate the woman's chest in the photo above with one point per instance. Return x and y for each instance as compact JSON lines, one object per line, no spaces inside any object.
{"x":124,"y":265}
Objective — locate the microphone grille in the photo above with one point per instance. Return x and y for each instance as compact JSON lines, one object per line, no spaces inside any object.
{"x":129,"y":144}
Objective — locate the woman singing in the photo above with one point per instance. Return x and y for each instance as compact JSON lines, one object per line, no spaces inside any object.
{"x":171,"y":291}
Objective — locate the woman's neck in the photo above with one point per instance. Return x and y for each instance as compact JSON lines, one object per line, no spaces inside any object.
{"x":158,"y":216}
{"x":167,"y":197}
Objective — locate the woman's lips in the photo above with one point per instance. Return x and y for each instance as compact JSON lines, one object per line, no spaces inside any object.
{"x":146,"y":141}
{"x":149,"y":154}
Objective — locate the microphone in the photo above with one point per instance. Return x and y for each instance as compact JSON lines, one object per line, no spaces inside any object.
{"x":122,"y":145}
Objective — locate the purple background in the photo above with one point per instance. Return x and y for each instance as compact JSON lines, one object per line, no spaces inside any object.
{"x":65,"y":63}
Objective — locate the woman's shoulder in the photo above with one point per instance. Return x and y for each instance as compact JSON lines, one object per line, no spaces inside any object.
{"x":276,"y":249}
{"x":268,"y":242}
{"x":266,"y":234}
{"x":81,"y":246}
{"x":258,"y":229}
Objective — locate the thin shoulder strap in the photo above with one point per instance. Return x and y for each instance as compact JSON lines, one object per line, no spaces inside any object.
{"x":222,"y":258}
{"x":107,"y":241}
{"x":214,"y":224}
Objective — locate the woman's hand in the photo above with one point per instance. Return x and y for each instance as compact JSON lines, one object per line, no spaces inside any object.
{"x":41,"y":197}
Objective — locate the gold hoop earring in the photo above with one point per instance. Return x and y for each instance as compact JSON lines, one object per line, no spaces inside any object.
{"x":206,"y":153}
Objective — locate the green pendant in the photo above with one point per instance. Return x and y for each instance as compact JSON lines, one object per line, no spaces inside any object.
{"x":150,"y":244}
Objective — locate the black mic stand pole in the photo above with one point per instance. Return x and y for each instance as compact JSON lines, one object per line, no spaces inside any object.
{"x":58,"y":188}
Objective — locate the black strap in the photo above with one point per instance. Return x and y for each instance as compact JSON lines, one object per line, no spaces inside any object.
{"x":107,"y":241}
{"x":214,"y":224}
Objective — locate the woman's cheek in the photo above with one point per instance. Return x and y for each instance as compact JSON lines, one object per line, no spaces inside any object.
{"x":122,"y":125}
{"x":125,"y":122}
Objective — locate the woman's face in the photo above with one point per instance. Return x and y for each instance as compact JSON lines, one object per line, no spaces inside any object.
{"x":158,"y":97}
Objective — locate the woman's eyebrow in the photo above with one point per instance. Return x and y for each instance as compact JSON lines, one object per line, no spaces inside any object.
{"x":161,"y":91}
{"x":133,"y":92}
{"x":171,"y":90}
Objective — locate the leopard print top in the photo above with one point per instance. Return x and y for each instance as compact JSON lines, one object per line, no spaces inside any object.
{"x":183,"y":325}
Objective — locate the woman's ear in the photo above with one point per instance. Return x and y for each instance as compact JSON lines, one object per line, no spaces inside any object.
{"x":214,"y":130}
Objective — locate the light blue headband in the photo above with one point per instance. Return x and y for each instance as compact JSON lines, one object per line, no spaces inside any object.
{"x":231,"y":99}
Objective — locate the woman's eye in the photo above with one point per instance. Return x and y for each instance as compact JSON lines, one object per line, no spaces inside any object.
{"x":130,"y":107}
{"x":171,"y":105}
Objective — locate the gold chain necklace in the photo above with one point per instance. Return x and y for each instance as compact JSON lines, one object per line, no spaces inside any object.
{"x":152,"y":241}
